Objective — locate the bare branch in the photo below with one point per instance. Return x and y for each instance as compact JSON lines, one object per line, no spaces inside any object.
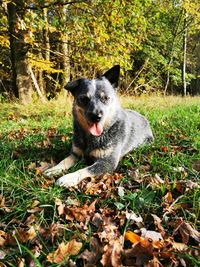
{"x":56,"y":3}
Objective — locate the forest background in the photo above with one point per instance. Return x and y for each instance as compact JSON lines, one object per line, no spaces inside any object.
{"x":44,"y":44}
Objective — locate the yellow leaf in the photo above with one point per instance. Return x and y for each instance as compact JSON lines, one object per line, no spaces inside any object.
{"x":132,"y":237}
{"x":64,"y":250}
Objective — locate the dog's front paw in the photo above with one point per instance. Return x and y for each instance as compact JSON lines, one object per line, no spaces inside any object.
{"x":68,"y":180}
{"x":55,"y":171}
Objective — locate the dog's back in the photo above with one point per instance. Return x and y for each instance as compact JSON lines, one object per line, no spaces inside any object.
{"x":136,"y":131}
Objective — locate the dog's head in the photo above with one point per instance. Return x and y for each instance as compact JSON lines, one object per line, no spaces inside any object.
{"x":95,"y":100}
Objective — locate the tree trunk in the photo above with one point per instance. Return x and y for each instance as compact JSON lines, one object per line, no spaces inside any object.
{"x":46,"y":34}
{"x":65,"y":52}
{"x":184,"y":56}
{"x":22,"y":83}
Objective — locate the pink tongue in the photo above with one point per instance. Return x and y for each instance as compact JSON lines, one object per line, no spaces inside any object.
{"x":96,"y":129}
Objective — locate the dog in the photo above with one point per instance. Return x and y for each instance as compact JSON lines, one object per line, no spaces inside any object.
{"x":103,"y":131}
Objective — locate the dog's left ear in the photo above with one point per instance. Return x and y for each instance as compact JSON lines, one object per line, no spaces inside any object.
{"x":113,"y":75}
{"x":73,"y":86}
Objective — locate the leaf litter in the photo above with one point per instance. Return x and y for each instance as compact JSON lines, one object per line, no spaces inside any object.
{"x":96,"y":231}
{"x":106,"y":236}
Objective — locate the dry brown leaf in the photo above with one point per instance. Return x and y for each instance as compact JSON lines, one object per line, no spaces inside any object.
{"x":186,"y":186}
{"x":179,"y":246}
{"x":102,"y":184}
{"x":142,"y":251}
{"x":35,"y":203}
{"x":164,"y":149}
{"x":154,"y":263}
{"x":154,"y":181}
{"x":167,"y":199}
{"x":186,"y":231}
{"x":3,"y":237}
{"x":30,"y":220}
{"x":112,"y":254}
{"x":157,"y":222}
{"x":196,"y":165}
{"x":34,"y":210}
{"x":3,"y":205}
{"x":151,"y":235}
{"x":60,"y":207}
{"x":51,"y":232}
{"x":81,"y":214}
{"x":92,"y":257}
{"x":43,"y":167}
{"x":20,"y":262}
{"x":31,"y":233}
{"x":132,"y":216}
{"x":2,"y":256}
{"x":97,"y":220}
{"x":31,"y":166}
{"x":64,"y":251}
{"x":21,"y":235}
{"x":110,"y":230}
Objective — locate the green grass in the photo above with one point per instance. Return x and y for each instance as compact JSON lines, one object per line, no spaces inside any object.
{"x":42,"y":133}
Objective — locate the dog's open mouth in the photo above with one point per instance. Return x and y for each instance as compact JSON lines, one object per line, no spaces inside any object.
{"x":95,"y":129}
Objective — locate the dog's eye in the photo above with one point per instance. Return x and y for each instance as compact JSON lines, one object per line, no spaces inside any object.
{"x":84,"y":100}
{"x":104,"y":98}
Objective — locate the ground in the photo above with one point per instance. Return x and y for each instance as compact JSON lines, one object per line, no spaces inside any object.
{"x":144,"y":214}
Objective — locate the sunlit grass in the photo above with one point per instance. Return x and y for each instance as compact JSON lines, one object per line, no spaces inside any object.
{"x":43,"y":132}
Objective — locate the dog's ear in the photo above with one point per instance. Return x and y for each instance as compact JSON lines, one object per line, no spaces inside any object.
{"x":73,"y":86}
{"x":113,"y":75}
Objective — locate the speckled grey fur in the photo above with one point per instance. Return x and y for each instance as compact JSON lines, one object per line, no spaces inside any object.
{"x":123,"y":129}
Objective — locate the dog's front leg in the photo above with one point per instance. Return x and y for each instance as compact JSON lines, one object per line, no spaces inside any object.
{"x":99,"y":167}
{"x":62,"y":166}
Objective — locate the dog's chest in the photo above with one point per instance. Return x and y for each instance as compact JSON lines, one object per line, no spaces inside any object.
{"x":93,"y":146}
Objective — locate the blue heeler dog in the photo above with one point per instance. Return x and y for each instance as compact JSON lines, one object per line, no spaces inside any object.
{"x":103,"y":131}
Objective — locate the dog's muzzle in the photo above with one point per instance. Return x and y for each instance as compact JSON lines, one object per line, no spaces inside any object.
{"x":95,"y":117}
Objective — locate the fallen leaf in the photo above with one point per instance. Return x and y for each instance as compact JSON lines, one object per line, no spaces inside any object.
{"x":154,"y":263}
{"x":22,"y":235}
{"x":196,"y":165}
{"x":164,"y":149}
{"x":3,"y":204}
{"x":20,"y":262}
{"x":150,"y":235}
{"x":94,"y":255}
{"x":132,"y":216}
{"x":154,"y":181}
{"x":97,"y":220}
{"x":2,"y":255}
{"x":60,"y":207}
{"x":167,"y":199}
{"x":110,"y":230}
{"x":186,"y":231}
{"x":31,"y":233}
{"x":43,"y":167}
{"x":179,"y":246}
{"x":30,"y":220}
{"x":64,"y":251}
{"x":132,"y":237}
{"x":31,"y":166}
{"x":186,"y":186}
{"x":35,"y":203}
{"x":112,"y":254}
{"x":157,"y":222}
{"x":51,"y":231}
{"x":81,"y":214}
{"x":3,"y":237}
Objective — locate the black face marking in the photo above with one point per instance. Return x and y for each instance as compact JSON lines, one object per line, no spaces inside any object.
{"x":83,"y":100}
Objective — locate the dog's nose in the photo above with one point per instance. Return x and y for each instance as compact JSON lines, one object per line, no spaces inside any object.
{"x":95,"y":117}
